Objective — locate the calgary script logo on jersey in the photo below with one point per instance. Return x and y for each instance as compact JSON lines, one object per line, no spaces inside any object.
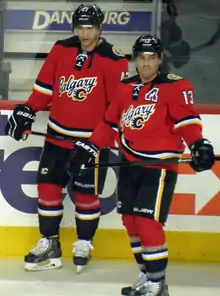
{"x":77,"y":89}
{"x":135,"y":118}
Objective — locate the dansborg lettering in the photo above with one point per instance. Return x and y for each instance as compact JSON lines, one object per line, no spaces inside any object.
{"x":43,"y":19}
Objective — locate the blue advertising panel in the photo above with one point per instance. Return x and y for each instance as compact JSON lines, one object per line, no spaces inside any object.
{"x":57,"y":20}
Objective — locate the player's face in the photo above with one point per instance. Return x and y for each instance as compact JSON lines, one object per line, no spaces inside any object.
{"x":88,"y":36}
{"x":148,"y":65}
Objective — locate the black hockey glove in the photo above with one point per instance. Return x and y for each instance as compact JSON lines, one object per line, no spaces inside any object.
{"x":202,"y":155}
{"x":20,"y":121}
{"x":83,"y":153}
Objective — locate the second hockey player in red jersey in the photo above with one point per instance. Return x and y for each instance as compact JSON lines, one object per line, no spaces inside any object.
{"x":77,"y":81}
{"x":152,"y":113}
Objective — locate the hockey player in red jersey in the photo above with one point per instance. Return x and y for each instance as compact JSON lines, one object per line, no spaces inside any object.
{"x":77,"y":80}
{"x":152,"y":112}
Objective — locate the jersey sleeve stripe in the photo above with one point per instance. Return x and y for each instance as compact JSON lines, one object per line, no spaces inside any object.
{"x":43,"y":90}
{"x":112,"y":125}
{"x":187,"y":121}
{"x":44,"y":85}
{"x":69,"y":133}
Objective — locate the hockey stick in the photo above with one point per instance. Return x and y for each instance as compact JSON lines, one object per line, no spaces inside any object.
{"x":147,"y":162}
{"x":34,"y":133}
{"x":56,"y":137}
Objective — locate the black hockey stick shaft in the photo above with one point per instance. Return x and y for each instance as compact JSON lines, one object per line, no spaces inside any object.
{"x":56,"y":137}
{"x":153,"y":161}
{"x":147,"y":162}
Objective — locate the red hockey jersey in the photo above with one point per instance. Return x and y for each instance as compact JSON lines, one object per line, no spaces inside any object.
{"x":77,"y":85}
{"x":152,"y":119}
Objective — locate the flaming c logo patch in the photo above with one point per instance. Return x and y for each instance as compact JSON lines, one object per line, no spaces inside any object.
{"x":135,"y":118}
{"x":77,"y":89}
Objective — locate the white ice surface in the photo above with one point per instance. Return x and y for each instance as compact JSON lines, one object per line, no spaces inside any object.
{"x":103,"y":279}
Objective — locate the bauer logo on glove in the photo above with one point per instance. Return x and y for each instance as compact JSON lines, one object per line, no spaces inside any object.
{"x":26,"y":114}
{"x":20,"y":121}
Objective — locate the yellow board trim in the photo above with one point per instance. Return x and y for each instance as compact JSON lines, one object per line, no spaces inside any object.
{"x":114,"y":244}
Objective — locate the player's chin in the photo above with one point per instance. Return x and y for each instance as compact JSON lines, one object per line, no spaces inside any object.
{"x":147,"y":72}
{"x":86,"y":42}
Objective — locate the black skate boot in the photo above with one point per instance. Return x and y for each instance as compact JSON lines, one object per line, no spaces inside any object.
{"x":46,"y":255}
{"x":138,"y":288}
{"x":81,"y":257}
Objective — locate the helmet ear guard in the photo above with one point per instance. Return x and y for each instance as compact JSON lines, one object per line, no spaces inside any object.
{"x":147,"y":44}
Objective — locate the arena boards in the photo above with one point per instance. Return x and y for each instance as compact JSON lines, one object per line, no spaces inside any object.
{"x":193,"y":230}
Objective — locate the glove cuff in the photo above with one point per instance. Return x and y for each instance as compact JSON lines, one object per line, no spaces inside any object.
{"x":24,"y":107}
{"x":199,"y":143}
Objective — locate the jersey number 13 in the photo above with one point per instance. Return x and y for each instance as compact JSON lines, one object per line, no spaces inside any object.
{"x":188,"y":96}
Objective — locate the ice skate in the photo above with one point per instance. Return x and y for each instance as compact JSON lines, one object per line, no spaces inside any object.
{"x":166,"y":291}
{"x":81,"y":257}
{"x":156,"y":288}
{"x":46,"y":255}
{"x":139,"y":288}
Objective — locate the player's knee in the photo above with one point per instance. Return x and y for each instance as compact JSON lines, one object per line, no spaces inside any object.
{"x":86,"y":201}
{"x":150,"y":231}
{"x":129,"y":223}
{"x":49,"y":194}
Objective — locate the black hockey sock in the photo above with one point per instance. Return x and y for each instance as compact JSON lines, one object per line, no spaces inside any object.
{"x":155,"y":263}
{"x":137,"y":251}
{"x":87,"y":222}
{"x":50,"y":218}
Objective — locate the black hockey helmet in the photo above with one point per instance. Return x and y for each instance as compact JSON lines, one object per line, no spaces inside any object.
{"x":87,"y":14}
{"x":148,"y":44}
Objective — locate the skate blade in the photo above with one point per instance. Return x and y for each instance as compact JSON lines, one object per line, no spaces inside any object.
{"x":166,"y":291}
{"x":80,"y":268}
{"x":45,"y":265}
{"x":133,"y":293}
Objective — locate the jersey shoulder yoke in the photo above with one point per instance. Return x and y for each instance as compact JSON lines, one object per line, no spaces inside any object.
{"x":108,"y":50}
{"x":169,"y":78}
{"x":69,"y":42}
